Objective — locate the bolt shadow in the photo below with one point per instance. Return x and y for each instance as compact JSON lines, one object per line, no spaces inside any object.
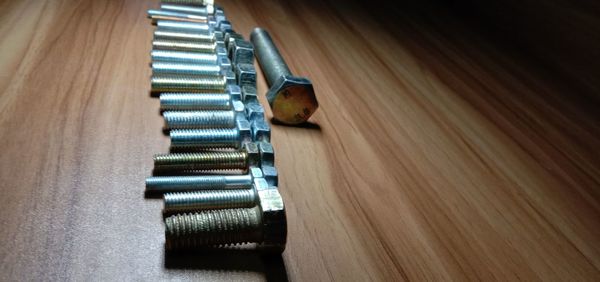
{"x":228,"y":259}
{"x":306,"y":124}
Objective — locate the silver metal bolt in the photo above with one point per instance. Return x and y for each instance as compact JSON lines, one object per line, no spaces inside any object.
{"x":191,"y":69}
{"x":189,"y":2}
{"x":249,"y":156}
{"x":191,"y":201}
{"x":245,"y":75}
{"x":187,"y":57}
{"x":189,"y":83}
{"x":184,"y":45}
{"x":195,"y":139}
{"x":205,"y":119}
{"x":156,"y":15}
{"x":200,"y":101}
{"x":187,"y":9}
{"x":265,"y":224}
{"x":164,"y":184}
{"x":187,"y":36}
{"x":203,"y":28}
{"x":249,"y":94}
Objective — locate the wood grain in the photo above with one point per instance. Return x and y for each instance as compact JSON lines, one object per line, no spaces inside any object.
{"x":439,"y":152}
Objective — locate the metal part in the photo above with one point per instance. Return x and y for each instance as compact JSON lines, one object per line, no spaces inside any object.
{"x":156,"y":15}
{"x":261,"y":130}
{"x":265,"y":224}
{"x":254,"y":111}
{"x":187,"y":9}
{"x":191,"y":69}
{"x":292,"y":99}
{"x":249,"y":156}
{"x":186,"y":46}
{"x":189,"y":2}
{"x":191,"y":201}
{"x":241,"y":52}
{"x":205,"y":119}
{"x":191,"y":83}
{"x":187,"y":36}
{"x":188,"y":27}
{"x":270,"y":174}
{"x":194,"y":139}
{"x":187,"y":57}
{"x":249,"y":94}
{"x":245,"y":75}
{"x":164,"y":184}
{"x":195,"y":101}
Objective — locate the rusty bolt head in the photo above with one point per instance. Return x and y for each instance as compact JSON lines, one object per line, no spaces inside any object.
{"x":292,"y":99}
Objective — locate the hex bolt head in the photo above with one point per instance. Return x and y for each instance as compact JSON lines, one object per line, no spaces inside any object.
{"x":245,"y":74}
{"x":241,"y":52}
{"x":265,"y":224}
{"x":267,"y":153}
{"x":249,"y":94}
{"x":261,"y":130}
{"x":270,"y":174}
{"x":254,"y":111}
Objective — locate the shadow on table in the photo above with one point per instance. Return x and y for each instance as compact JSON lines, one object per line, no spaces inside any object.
{"x":306,"y":124}
{"x":271,"y":265}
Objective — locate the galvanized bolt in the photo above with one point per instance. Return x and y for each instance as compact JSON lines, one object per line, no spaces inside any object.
{"x":261,"y":130}
{"x":191,"y":201}
{"x":191,"y":69}
{"x":249,"y":156}
{"x":164,"y":184}
{"x":189,"y":2}
{"x":265,"y":224}
{"x":191,"y":83}
{"x":199,"y":28}
{"x":188,"y":9}
{"x":292,"y":99}
{"x":270,"y":174}
{"x":245,"y":74}
{"x":205,"y":119}
{"x":156,"y":15}
{"x":200,"y":101}
{"x":188,"y":57}
{"x":188,"y":36}
{"x":186,"y":46}
{"x":195,"y":139}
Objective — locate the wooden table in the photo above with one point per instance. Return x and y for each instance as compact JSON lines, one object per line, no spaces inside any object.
{"x":438,"y":152}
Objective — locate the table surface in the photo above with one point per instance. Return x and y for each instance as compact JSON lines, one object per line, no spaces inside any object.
{"x":435,"y":154}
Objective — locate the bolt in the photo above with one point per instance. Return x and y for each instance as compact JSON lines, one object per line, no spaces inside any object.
{"x":191,"y":69}
{"x":187,"y":9}
{"x":180,"y":202}
{"x":200,"y":101}
{"x":202,"y":28}
{"x":191,"y":83}
{"x":254,"y":111}
{"x":193,"y":139}
{"x":187,"y":36}
{"x":205,"y":119}
{"x":186,"y":46}
{"x":270,"y":174}
{"x":249,"y":156}
{"x":292,"y":99}
{"x":249,"y":94}
{"x":264,"y":224}
{"x":156,"y":15}
{"x":187,"y":57}
{"x":261,"y":130}
{"x":189,"y":2}
{"x":163,"y":184}
{"x":240,"y":52}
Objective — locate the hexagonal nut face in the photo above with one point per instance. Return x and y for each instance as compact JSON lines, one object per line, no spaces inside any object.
{"x":270,"y":175}
{"x":267,"y":154}
{"x":255,"y":172}
{"x":274,"y":220}
{"x":261,"y":130}
{"x":245,"y":132}
{"x":292,"y":99}
{"x":260,"y":184}
{"x":246,"y":74}
{"x":225,"y":63}
{"x":254,"y":111}
{"x":235,"y":92}
{"x":241,"y":52}
{"x":249,"y":94}
{"x":253,"y":154}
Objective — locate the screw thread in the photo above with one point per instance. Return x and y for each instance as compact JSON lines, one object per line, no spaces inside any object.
{"x":179,"y":45}
{"x":194,"y":101}
{"x":174,"y":83}
{"x":201,"y":161}
{"x":184,"y":26}
{"x":203,"y":182}
{"x":184,"y":57}
{"x":206,"y":138}
{"x":213,"y":228}
{"x":209,"y":200}
{"x":185,"y":69}
{"x":187,"y":2}
{"x":199,"y":119}
{"x":191,"y":36}
{"x":185,"y":9}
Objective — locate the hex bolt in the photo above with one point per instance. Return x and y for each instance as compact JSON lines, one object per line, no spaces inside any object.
{"x":187,"y":36}
{"x":191,"y":201}
{"x":292,"y":99}
{"x":183,"y":45}
{"x":255,"y":111}
{"x":200,"y":101}
{"x":191,"y":69}
{"x":240,"y":52}
{"x":156,"y":15}
{"x":205,"y":119}
{"x":265,"y":224}
{"x":188,"y":57}
{"x":187,"y":9}
{"x":270,"y":174}
{"x":195,"y":139}
{"x":164,"y":184}
{"x":191,"y":83}
{"x":249,"y":94}
{"x":248,"y":156}
{"x":189,"y":2}
{"x":199,"y":28}
{"x":261,"y":130}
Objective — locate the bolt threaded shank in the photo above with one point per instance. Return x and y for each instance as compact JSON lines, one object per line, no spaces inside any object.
{"x":175,"y":83}
{"x":205,"y":138}
{"x":209,"y":200}
{"x":203,"y":182}
{"x":201,"y":161}
{"x":180,"y":45}
{"x":159,"y":68}
{"x":188,"y":2}
{"x":195,"y":101}
{"x":199,"y":119}
{"x":213,"y":228}
{"x":184,"y":57}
